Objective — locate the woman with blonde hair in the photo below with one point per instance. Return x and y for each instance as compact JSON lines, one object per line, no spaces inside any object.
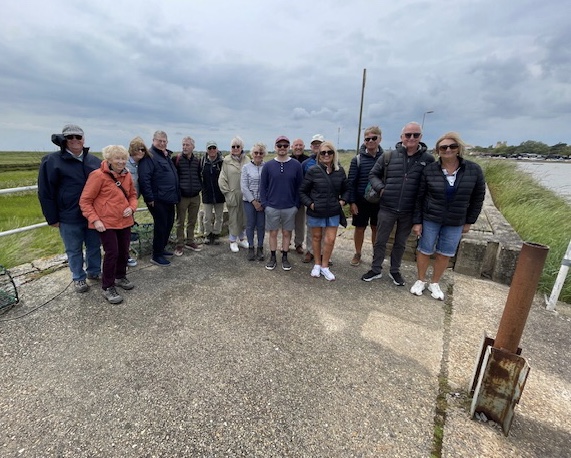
{"x":450,"y":199}
{"x":108,"y":202}
{"x":254,"y":212}
{"x":229,"y":182}
{"x":324,"y":191}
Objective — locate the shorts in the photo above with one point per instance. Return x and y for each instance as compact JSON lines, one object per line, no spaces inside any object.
{"x":330,"y":221}
{"x":445,"y":238}
{"x":280,"y":218}
{"x":367,"y":212}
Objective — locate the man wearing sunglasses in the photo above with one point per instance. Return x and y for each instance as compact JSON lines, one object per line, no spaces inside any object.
{"x":61,"y":179}
{"x":398,"y":197}
{"x":363,"y":211}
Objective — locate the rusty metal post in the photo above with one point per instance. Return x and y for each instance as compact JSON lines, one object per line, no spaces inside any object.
{"x":520,"y":297}
{"x":500,"y":372}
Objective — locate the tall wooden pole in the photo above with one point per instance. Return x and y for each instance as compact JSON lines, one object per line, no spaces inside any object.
{"x":361,"y":110}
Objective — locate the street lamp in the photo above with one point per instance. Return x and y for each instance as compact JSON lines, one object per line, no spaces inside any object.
{"x":424,"y":116}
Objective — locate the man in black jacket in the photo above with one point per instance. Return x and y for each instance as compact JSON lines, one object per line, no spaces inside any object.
{"x":61,"y":179}
{"x":158,"y":182}
{"x":188,"y":168}
{"x":398,"y":197}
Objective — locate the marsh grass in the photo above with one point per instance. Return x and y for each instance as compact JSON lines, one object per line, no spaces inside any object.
{"x":537,"y":214}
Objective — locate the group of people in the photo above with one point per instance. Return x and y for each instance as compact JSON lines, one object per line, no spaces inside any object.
{"x":93,"y":202}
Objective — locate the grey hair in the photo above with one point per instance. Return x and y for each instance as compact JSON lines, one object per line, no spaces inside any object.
{"x":190,"y":139}
{"x":414,"y":123}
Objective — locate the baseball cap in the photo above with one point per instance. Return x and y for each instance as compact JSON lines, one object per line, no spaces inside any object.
{"x":282,"y":138}
{"x":317,"y":138}
{"x":211,"y":143}
{"x":72,"y":129}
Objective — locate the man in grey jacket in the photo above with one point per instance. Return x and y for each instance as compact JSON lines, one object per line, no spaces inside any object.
{"x":398,"y":186}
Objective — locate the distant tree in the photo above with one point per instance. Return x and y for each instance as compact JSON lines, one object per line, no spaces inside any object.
{"x":533,"y":147}
{"x":560,"y":149}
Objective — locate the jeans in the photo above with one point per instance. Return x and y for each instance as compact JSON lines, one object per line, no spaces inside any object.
{"x":385,"y":223}
{"x":255,"y":222}
{"x":186,"y":209}
{"x":74,"y":236}
{"x":163,"y":221}
{"x":116,"y":247}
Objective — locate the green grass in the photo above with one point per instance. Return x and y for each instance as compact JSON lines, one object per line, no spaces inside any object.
{"x":537,"y":214}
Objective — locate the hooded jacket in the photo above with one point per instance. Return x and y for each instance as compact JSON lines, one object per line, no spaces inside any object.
{"x":61,"y":179}
{"x":103,"y":200}
{"x":403,"y":178}
{"x":210,"y":172}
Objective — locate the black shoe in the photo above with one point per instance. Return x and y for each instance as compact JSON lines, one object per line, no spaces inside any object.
{"x":285,"y":263}
{"x":168,"y":254}
{"x":397,"y":278}
{"x":370,"y":276}
{"x":215,"y":239}
{"x":272,"y":263}
{"x":160,"y":261}
{"x":208,"y":239}
{"x":260,"y":254}
{"x":251,"y":254}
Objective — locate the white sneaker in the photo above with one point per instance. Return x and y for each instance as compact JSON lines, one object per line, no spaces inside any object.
{"x":327,"y":274}
{"x":234,"y":247}
{"x":418,"y":287}
{"x":243,"y":244}
{"x":436,"y":292}
{"x":316,"y":271}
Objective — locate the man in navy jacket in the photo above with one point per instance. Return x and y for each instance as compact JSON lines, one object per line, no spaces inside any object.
{"x":61,"y":179}
{"x":158,"y":182}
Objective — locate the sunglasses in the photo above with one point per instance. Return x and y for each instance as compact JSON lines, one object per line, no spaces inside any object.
{"x":412,"y":134}
{"x":71,"y":137}
{"x":371,"y":139}
{"x":213,"y":147}
{"x":326,"y":153}
{"x":258,"y":153}
{"x":236,"y":146}
{"x":283,"y":145}
{"x":143,"y":150}
{"x":453,"y":146}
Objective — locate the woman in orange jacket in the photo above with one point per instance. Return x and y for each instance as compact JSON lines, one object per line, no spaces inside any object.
{"x":108,"y":202}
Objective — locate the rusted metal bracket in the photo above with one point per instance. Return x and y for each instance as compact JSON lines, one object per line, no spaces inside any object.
{"x":497,"y":383}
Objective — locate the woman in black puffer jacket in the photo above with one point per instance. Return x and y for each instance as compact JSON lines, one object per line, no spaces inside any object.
{"x":324,"y":191}
{"x":450,"y":199}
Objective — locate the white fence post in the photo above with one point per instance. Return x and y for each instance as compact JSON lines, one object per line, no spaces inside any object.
{"x":558,"y":286}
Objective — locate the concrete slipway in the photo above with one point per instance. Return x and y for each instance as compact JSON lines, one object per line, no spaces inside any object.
{"x":215,"y":356}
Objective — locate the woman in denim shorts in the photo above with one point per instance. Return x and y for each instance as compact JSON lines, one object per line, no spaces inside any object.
{"x":450,"y":199}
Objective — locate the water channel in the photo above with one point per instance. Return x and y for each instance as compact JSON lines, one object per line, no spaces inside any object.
{"x":552,"y":175}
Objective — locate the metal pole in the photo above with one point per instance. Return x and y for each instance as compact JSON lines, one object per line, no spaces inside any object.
{"x":361,"y":110}
{"x":423,"y":117}
{"x":520,"y":297}
{"x":558,"y":286}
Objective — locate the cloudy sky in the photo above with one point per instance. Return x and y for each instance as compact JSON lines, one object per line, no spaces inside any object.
{"x":493,"y":70}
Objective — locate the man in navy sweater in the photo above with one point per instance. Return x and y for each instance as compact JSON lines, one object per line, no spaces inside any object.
{"x":279,"y":193}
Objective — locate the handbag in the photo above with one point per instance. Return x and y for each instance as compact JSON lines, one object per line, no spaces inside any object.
{"x":342,"y":217}
{"x":370,"y":194}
